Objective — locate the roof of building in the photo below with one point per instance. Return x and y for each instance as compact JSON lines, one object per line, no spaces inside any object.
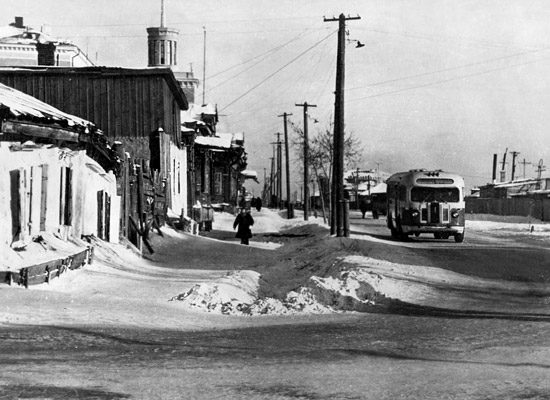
{"x":223,"y":141}
{"x":20,"y":104}
{"x":111,"y":72}
{"x":14,"y":34}
{"x":20,"y":109}
{"x":220,"y":142}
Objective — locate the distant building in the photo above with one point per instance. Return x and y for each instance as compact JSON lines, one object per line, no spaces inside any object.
{"x":520,"y":187}
{"x":162,"y":45}
{"x":21,"y":45}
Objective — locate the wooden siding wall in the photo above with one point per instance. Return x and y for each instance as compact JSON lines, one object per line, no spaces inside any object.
{"x":538,"y":208}
{"x":125,"y":107}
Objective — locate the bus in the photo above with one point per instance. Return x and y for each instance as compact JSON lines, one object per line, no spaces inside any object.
{"x":422,"y":201}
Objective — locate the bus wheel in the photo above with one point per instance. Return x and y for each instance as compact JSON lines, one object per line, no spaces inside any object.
{"x":437,"y":235}
{"x":459,"y":237}
{"x":400,"y":234}
{"x":417,"y":234}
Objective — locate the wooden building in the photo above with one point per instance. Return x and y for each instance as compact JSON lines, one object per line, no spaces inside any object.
{"x":140,"y":110}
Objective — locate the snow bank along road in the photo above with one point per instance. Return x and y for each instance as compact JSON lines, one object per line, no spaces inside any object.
{"x":294,"y":267}
{"x":502,"y":269}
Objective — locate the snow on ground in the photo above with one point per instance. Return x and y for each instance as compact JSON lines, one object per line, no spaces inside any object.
{"x":121,"y":287}
{"x":372,"y":280}
{"x":265,"y":221}
{"x":534,"y":228}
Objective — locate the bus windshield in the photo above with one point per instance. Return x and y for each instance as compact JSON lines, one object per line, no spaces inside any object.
{"x":441,"y":194}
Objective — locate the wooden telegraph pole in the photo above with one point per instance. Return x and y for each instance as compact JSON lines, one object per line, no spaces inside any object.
{"x":279,"y":187}
{"x":289,"y":213}
{"x":338,"y":217}
{"x":306,"y":161}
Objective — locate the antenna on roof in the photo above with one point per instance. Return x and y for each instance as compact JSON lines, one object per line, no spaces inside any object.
{"x":162,"y":15}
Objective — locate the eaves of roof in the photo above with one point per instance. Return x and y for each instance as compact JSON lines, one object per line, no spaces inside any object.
{"x":166,"y":73}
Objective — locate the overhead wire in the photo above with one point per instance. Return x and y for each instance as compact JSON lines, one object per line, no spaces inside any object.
{"x":448,"y":80}
{"x":263,"y":56}
{"x":448,"y":69}
{"x":277,"y":71}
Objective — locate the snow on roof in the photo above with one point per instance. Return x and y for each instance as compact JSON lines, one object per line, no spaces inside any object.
{"x":380,"y":188}
{"x":195,"y":111}
{"x":9,"y":31}
{"x":238,"y":137}
{"x":11,"y":34}
{"x":223,"y":142}
{"x":248,"y":173}
{"x":21,"y":104}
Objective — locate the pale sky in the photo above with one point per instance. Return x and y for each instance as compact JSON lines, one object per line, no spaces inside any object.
{"x":439,"y":84}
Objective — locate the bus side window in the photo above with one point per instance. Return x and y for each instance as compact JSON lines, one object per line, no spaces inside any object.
{"x":403,"y":193}
{"x":391,"y":191}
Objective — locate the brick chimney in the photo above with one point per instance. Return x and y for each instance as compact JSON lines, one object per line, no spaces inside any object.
{"x":18,"y":22}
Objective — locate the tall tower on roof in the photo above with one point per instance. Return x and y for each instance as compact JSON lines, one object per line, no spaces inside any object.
{"x":162,"y":43}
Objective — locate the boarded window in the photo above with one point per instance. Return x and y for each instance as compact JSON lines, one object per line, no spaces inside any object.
{"x":44,"y":197}
{"x":218,"y":183}
{"x":103,"y":215}
{"x":65,"y":196}
{"x":15,"y":205}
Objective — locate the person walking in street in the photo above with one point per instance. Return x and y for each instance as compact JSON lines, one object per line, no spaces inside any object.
{"x":243,"y":221}
{"x":363,"y":206}
{"x":258,"y":204}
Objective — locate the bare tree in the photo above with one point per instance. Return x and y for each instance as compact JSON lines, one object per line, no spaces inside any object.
{"x":320,"y":155}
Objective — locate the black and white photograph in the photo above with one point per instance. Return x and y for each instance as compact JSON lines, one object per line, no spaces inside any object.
{"x":259,"y":199}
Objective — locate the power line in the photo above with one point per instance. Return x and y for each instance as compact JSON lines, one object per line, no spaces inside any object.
{"x":263,"y":55}
{"x":201,"y":23}
{"x":448,"y":69}
{"x":448,"y":80}
{"x":277,"y":71}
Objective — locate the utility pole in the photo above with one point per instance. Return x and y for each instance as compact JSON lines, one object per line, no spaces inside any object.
{"x":524,"y":164}
{"x":271,"y":182}
{"x":540,"y":168}
{"x":357,"y":189}
{"x":289,"y":213}
{"x":279,"y":187}
{"x":306,"y":161}
{"x":514,"y":155}
{"x":337,"y":218}
{"x":265,"y":189}
{"x":503,"y":168}
{"x":204,"y":67}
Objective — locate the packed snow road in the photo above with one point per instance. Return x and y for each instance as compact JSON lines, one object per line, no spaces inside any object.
{"x":448,"y":321}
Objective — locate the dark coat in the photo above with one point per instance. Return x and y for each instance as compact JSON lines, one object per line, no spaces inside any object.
{"x":258,"y":204}
{"x":244,"y":222}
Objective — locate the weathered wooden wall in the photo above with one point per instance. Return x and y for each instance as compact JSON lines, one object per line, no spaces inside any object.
{"x":538,"y":208}
{"x":127,"y":108}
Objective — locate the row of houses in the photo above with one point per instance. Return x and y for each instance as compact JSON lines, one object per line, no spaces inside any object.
{"x":107,"y":152}
{"x":164,"y":154}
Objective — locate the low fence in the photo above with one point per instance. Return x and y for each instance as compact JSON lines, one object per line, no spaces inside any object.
{"x":538,"y":208}
{"x":45,"y":272}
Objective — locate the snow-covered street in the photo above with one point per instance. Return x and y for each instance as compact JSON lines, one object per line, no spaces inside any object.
{"x":169,"y":289}
{"x":206,"y":317}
